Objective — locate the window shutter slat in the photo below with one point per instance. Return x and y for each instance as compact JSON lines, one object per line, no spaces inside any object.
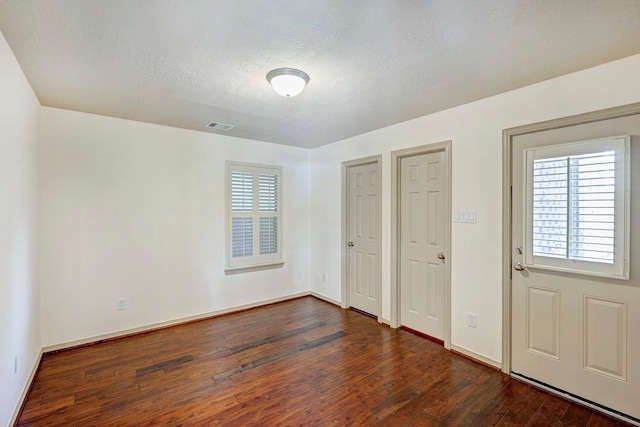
{"x":268,"y":193}
{"x":241,"y":191}
{"x":268,"y":202}
{"x":550,"y":195}
{"x":592,"y":175}
{"x":241,"y":237}
{"x":268,"y":235}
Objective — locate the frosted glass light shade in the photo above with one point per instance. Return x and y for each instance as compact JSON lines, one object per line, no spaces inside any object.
{"x":288,"y":81}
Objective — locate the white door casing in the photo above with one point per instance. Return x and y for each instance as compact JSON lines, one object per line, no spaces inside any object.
{"x":576,"y":332}
{"x":362,"y":205}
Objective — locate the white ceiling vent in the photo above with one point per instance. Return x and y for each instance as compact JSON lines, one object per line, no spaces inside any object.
{"x":219,"y":126}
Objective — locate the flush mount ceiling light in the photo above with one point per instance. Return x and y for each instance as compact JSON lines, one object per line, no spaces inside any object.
{"x":288,"y":81}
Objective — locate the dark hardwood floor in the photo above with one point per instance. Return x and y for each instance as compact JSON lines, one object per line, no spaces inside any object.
{"x":301,"y":362}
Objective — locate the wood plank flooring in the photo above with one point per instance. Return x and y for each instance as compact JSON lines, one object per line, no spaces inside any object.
{"x":298,"y":363}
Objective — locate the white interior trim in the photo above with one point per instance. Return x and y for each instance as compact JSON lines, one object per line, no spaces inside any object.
{"x":172,"y":322}
{"x":26,"y":389}
{"x":325,"y":298}
{"x":473,"y":355}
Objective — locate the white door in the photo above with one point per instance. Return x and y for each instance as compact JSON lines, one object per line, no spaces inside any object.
{"x":574,"y":327}
{"x":363,"y":238}
{"x":422,"y":243}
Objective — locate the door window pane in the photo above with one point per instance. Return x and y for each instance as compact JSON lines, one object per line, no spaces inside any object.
{"x":576,"y":207}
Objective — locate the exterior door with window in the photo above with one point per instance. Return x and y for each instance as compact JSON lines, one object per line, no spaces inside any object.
{"x":576,"y":261}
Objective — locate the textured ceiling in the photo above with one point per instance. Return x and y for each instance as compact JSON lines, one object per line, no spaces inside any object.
{"x":372,"y":63}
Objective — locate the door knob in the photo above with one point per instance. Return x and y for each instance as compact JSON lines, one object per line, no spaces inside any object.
{"x":441,"y":255}
{"x":518,"y":266}
{"x":350,"y":244}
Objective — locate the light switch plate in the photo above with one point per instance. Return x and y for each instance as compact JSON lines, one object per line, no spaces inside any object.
{"x":465,"y":215}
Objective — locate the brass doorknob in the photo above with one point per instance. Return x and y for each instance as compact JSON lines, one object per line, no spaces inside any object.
{"x":350,"y":244}
{"x":441,"y":255}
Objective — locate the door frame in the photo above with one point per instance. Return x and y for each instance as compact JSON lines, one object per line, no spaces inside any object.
{"x":507,"y":144}
{"x":345,"y":229}
{"x":396,"y":157}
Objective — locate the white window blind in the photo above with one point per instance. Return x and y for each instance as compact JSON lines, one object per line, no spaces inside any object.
{"x":268,"y":204}
{"x":254,"y":217}
{"x":577,"y":208}
{"x":573,"y":207}
{"x":241,"y":220}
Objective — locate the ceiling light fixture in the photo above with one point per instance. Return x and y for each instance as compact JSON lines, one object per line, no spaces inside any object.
{"x":288,"y":81}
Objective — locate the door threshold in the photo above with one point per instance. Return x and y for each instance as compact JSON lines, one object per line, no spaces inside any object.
{"x":577,"y":399}
{"x":423,"y":335}
{"x":357,"y":310}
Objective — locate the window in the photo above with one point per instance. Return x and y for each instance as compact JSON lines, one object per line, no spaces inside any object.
{"x":254,"y":219}
{"x":577,"y":208}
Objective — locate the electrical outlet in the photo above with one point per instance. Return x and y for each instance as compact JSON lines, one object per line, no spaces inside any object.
{"x":472,"y":320}
{"x":15,"y":364}
{"x":121,"y":304}
{"x":299,"y":275}
{"x":324,"y":277}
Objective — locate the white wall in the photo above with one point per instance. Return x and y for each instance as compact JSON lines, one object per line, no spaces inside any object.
{"x":137,"y":211}
{"x":476,"y":132}
{"x":19,"y":273}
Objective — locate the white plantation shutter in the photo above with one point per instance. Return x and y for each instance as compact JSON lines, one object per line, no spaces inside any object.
{"x":550,"y":201}
{"x":592,"y":207}
{"x":255,"y":227}
{"x":577,"y":207}
{"x":268,"y":205}
{"x":268,"y":235}
{"x":241,"y":218}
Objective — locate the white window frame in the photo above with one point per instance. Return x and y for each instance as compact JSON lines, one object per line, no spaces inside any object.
{"x":255,"y":260}
{"x":619,"y":269}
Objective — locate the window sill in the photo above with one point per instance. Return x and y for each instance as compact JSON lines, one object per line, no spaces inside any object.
{"x":584,"y":272}
{"x":248,"y":269}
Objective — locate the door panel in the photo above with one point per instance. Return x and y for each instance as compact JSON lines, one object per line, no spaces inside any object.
{"x":605,"y":337}
{"x":422,"y":238}
{"x":543,"y":321}
{"x":578,"y":333}
{"x":363,"y":255}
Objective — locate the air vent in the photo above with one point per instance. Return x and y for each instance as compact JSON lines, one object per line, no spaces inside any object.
{"x":219,"y":126}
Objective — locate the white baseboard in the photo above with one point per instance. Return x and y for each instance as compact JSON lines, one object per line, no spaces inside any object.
{"x":381,"y":320}
{"x":324,"y":298}
{"x":25,"y":390}
{"x":476,"y":356}
{"x":167,"y":323}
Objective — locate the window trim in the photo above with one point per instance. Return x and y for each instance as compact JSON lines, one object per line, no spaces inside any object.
{"x":619,"y":269}
{"x":256,"y":261}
